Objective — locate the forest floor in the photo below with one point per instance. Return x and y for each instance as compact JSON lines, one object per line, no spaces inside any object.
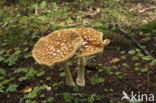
{"x":122,"y":66}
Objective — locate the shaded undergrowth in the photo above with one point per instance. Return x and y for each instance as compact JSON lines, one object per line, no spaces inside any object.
{"x":121,"y":66}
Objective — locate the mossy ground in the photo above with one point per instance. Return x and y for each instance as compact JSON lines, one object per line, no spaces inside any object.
{"x":23,"y":22}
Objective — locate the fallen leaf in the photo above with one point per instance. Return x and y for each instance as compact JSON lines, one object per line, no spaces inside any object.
{"x":114,"y":60}
{"x":106,"y":42}
{"x":27,"y":89}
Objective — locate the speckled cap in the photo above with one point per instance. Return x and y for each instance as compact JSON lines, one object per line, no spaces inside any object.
{"x":92,"y":42}
{"x":57,"y":47}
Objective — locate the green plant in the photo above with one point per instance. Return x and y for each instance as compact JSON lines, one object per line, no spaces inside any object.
{"x":123,"y":57}
{"x":13,"y":58}
{"x":2,"y":71}
{"x":118,"y":73}
{"x":76,"y":89}
{"x":140,"y":54}
{"x":1,"y":58}
{"x":95,"y":80}
{"x":30,"y":101}
{"x":33,"y":94}
{"x":40,"y":72}
{"x":137,"y":68}
{"x":91,"y":98}
{"x":147,"y":58}
{"x":42,"y":95}
{"x":2,"y":78}
{"x":147,"y":38}
{"x":4,"y":82}
{"x":43,"y":4}
{"x":108,"y":70}
{"x":48,"y":78}
{"x":11,"y":88}
{"x":114,"y":67}
{"x":22,"y":78}
{"x":111,"y":90}
{"x":144,"y":70}
{"x":137,"y":64}
{"x":50,"y":99}
{"x":44,"y":101}
{"x":57,"y":84}
{"x":122,"y":52}
{"x":67,"y":97}
{"x":28,"y":55}
{"x":62,"y":74}
{"x":100,"y":70}
{"x":31,"y":74}
{"x":153,"y":62}
{"x":131,"y":52}
{"x":18,"y":70}
{"x":106,"y":90}
{"x":135,"y":58}
{"x":125,"y":64}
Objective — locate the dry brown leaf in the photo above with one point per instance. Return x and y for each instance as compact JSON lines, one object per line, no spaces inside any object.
{"x":27,"y":89}
{"x":106,"y":42}
{"x":114,"y":60}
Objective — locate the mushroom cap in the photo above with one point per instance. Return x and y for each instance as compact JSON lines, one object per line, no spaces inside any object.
{"x":56,"y":47}
{"x":92,"y":44}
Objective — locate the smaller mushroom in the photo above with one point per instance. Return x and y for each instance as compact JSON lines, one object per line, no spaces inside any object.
{"x":57,"y":48}
{"x":92,"y":44}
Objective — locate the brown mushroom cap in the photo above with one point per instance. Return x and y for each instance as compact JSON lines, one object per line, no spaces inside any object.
{"x":92,"y":44}
{"x":56,"y":47}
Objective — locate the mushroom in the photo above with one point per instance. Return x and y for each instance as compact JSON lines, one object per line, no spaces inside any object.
{"x":58,"y":47}
{"x":92,"y":44}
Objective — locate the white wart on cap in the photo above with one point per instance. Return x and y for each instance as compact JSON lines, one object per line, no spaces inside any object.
{"x":92,"y":44}
{"x":56,"y":47}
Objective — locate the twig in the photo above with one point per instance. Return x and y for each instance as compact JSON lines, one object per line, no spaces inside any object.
{"x":147,"y":9}
{"x":148,"y":80}
{"x":36,"y":7}
{"x":135,"y":41}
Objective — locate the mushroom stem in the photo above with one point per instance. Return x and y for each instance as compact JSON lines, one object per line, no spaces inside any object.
{"x":69,"y":79}
{"x":80,"y":80}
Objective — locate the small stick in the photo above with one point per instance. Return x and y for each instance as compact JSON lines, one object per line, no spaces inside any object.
{"x":147,"y":9}
{"x":36,"y":9}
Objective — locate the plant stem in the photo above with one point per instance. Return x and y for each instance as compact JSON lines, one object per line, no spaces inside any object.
{"x":36,"y":7}
{"x":80,"y":78}
{"x":69,"y":79}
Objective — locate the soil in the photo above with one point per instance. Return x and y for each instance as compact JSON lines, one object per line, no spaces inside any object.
{"x":130,"y":81}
